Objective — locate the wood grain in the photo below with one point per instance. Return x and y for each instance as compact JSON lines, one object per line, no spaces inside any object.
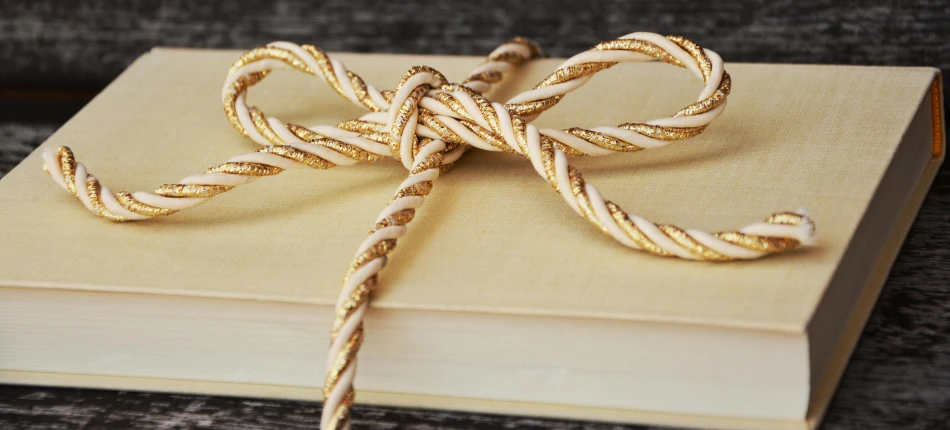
{"x":899,"y":376}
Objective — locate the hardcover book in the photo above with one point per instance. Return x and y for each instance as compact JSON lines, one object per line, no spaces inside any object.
{"x":500,"y":299}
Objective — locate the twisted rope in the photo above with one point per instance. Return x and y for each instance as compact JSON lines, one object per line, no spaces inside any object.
{"x":427,"y":123}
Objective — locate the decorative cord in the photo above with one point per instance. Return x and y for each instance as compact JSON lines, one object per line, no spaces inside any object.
{"x":427,"y":123}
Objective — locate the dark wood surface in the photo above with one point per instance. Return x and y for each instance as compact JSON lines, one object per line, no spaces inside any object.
{"x":56,"y":55}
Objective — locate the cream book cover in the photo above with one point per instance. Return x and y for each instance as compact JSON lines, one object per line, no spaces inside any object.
{"x":500,"y":298}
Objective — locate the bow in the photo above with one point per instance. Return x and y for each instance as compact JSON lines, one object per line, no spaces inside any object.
{"x":427,"y":123}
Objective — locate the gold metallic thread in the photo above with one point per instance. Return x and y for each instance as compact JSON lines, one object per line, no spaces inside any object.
{"x":263,"y":127}
{"x":603,"y":140}
{"x":444,"y":132}
{"x":547,"y":160}
{"x":68,"y":164}
{"x":191,"y":190}
{"x":359,"y":295}
{"x":420,"y":189}
{"x":686,"y":241}
{"x":271,"y":53}
{"x":245,"y":169}
{"x":633,"y":232}
{"x":533,"y":107}
{"x":342,"y":415}
{"x":359,"y":126}
{"x":378,"y":250}
{"x":787,"y":218}
{"x":299,"y":156}
{"x":351,"y":151}
{"x":93,"y":189}
{"x":231,"y":95}
{"x":571,"y":73}
{"x":702,"y":61}
{"x":362,"y":93}
{"x":326,"y":68}
{"x":664,"y":133}
{"x":431,"y":162}
{"x":344,"y":359}
{"x":135,"y":206}
{"x":770,"y":245}
{"x":583,"y":200}
{"x":488,"y":136}
{"x":452,"y":103}
{"x":403,"y":115}
{"x":641,"y":46}
{"x":711,"y":102}
{"x":520,"y":128}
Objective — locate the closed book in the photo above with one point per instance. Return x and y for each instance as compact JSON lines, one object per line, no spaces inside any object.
{"x":500,"y":298}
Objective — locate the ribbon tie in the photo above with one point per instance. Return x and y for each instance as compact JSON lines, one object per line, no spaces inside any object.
{"x":428,"y":123}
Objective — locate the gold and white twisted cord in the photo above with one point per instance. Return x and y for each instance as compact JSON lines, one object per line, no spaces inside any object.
{"x":286,"y":146}
{"x":491,"y":122}
{"x":346,"y":336}
{"x":426,"y":123}
{"x":256,"y":64}
{"x":458,"y":117}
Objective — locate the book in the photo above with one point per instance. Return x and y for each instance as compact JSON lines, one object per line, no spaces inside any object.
{"x":499,"y":299}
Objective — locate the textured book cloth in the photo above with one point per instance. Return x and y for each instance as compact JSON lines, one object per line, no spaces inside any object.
{"x":493,"y":239}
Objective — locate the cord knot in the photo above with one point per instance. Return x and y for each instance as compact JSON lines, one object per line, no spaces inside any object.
{"x":404,"y":112}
